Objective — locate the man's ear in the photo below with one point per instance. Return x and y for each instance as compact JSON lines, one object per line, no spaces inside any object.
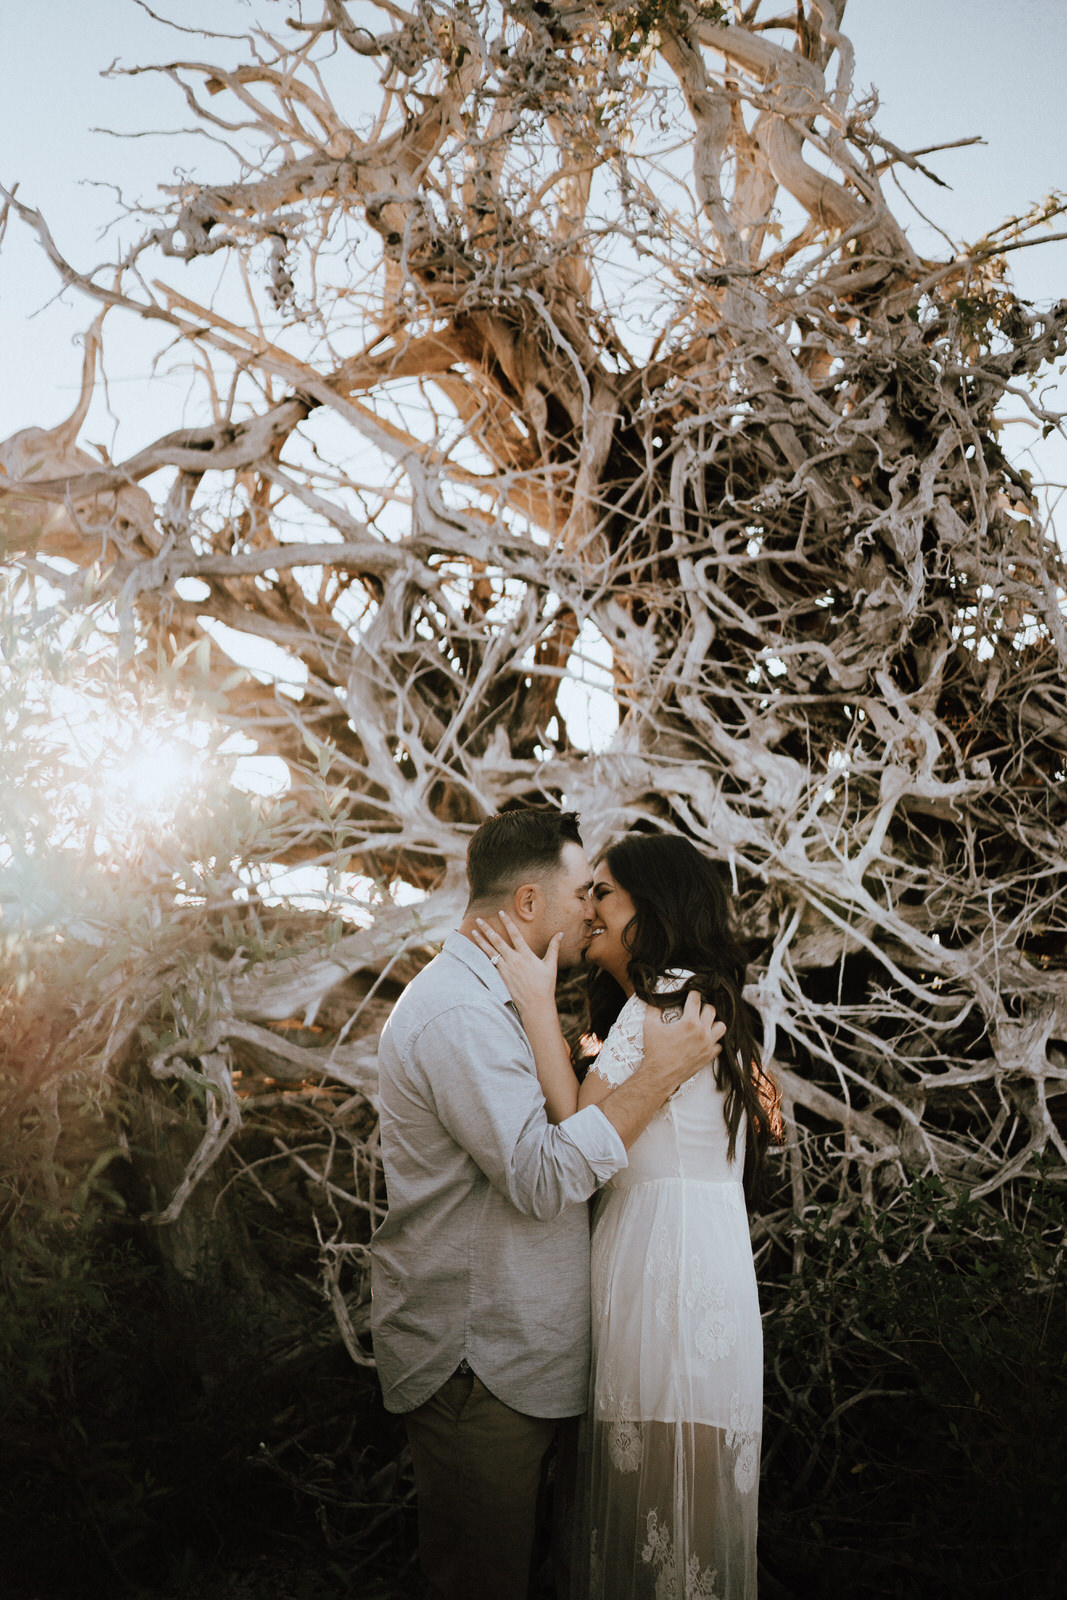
{"x":526,"y":902}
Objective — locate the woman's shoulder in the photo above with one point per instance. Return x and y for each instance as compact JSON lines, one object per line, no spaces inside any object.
{"x":624,"y":1044}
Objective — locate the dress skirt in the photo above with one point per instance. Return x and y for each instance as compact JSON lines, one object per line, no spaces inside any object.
{"x":670,"y":1448}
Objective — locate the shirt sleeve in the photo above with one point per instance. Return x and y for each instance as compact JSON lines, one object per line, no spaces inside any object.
{"x":479,"y":1074}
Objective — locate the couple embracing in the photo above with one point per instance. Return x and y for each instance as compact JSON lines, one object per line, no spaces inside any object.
{"x":494,"y":1321}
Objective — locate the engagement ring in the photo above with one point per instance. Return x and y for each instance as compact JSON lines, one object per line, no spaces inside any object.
{"x":494,"y":959}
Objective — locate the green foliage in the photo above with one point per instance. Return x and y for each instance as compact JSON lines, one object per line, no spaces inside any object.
{"x":150,"y":1423}
{"x":150,"y":1412}
{"x":916,"y":1403}
{"x":76,"y":1302}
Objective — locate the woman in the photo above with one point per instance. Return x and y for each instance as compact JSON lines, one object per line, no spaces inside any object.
{"x":670,"y":1462}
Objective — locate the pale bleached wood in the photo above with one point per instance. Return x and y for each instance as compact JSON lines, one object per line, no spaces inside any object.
{"x":503,"y":374}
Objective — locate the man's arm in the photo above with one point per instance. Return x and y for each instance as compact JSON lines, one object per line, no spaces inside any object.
{"x":475,"y":1065}
{"x":670,"y":1057}
{"x":674,"y":1052}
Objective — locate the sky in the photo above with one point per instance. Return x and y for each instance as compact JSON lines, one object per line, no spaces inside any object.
{"x":944,"y":70}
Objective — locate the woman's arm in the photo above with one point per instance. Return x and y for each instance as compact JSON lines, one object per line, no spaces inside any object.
{"x":594,"y":1089}
{"x":552,"y":1059}
{"x":531,"y":982}
{"x":672,"y":1054}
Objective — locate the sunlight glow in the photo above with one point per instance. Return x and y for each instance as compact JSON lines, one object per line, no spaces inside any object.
{"x":148,"y":781}
{"x":131,"y":773}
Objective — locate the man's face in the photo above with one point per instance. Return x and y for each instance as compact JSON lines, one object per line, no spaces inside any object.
{"x":568,"y":909}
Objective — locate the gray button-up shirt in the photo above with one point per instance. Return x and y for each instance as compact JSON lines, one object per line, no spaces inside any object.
{"x":484,"y":1253}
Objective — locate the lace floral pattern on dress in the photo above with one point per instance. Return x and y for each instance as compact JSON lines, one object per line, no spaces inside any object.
{"x":743,"y":1436}
{"x":714,"y":1328}
{"x":626,"y":1445}
{"x":694,"y":1583}
{"x":626,"y":1439}
{"x":625,"y":1044}
{"x":624,"y":1047}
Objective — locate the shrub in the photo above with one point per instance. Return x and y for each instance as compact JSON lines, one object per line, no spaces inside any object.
{"x":915,"y":1400}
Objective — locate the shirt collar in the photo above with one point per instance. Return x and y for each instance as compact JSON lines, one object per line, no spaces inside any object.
{"x":465,"y":950}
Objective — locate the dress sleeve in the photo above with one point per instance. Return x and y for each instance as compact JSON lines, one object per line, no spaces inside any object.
{"x":624,"y":1048}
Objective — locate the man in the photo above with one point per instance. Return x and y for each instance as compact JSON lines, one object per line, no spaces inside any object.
{"x":480,"y":1270}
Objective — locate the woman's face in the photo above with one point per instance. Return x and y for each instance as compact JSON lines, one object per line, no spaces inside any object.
{"x":613,"y":911}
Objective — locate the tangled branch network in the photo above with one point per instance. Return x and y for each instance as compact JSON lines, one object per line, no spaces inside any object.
{"x":549,"y":335}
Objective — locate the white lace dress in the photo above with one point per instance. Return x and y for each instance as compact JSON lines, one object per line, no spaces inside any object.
{"x":669,"y":1466}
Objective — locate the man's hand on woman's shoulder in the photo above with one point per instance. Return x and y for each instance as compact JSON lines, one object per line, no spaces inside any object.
{"x":680,"y":1041}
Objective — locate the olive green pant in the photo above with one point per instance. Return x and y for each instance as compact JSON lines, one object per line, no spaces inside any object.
{"x":478,"y":1473}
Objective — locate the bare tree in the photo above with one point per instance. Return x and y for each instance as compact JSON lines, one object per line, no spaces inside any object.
{"x":525,"y":332}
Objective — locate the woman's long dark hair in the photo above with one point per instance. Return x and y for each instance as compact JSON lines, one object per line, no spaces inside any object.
{"x":682,"y":919}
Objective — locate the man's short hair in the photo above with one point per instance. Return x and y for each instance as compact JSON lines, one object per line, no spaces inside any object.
{"x":515,"y":846}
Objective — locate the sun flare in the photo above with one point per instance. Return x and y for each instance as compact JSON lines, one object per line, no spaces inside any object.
{"x":129,"y":774}
{"x":151,"y":780}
